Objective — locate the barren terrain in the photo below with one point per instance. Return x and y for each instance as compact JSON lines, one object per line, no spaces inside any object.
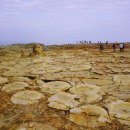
{"x":72,"y":87}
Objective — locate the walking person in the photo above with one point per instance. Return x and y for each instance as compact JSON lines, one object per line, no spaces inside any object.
{"x":114,"y":47}
{"x":101,"y":47}
{"x":121,"y":46}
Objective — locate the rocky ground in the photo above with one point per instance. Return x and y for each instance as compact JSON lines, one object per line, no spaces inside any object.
{"x":69,"y":88}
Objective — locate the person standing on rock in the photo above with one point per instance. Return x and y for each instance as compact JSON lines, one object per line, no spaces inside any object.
{"x":101,"y":47}
{"x":121,"y":46}
{"x":114,"y":47}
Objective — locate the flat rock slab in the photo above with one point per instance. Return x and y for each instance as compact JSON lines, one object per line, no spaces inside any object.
{"x":99,"y":82}
{"x":63,"y":101}
{"x":89,"y":116}
{"x":15,"y":86}
{"x":120,"y":110}
{"x":88,"y":93}
{"x":3,"y":80}
{"x":54,"y":87}
{"x":34,"y":126}
{"x":26,"y":97}
{"x":80,"y":68}
{"x":122,"y":79}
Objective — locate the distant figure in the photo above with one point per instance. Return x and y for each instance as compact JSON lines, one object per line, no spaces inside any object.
{"x":114,"y":47}
{"x":89,"y":42}
{"x":121,"y":46}
{"x":101,"y":47}
{"x":106,"y":43}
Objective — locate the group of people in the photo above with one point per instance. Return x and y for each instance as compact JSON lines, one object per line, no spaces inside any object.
{"x":114,"y":46}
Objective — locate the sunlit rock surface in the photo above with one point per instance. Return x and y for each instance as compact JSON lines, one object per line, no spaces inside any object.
{"x":54,"y":87}
{"x":120,"y":110}
{"x":12,"y":87}
{"x":63,"y":101}
{"x":26,"y":97}
{"x":89,"y":93}
{"x":89,"y":116}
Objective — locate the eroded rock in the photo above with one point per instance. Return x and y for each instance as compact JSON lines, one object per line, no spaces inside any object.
{"x":63,"y":101}
{"x":89,"y":116}
{"x":88,"y":93}
{"x":15,"y":86}
{"x":54,"y":87}
{"x":120,"y":110}
{"x":26,"y":97}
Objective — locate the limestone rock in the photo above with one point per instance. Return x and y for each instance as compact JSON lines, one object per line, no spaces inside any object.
{"x":3,"y":80}
{"x":35,"y":126}
{"x":88,"y":93}
{"x":120,"y":110}
{"x":122,"y":79}
{"x":26,"y":97}
{"x":12,"y":87}
{"x":89,"y":116}
{"x":63,"y":101}
{"x":54,"y":87}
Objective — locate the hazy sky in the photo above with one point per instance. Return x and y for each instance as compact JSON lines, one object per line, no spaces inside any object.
{"x":61,"y":21}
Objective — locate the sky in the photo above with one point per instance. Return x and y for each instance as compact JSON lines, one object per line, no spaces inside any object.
{"x":64,"y":21}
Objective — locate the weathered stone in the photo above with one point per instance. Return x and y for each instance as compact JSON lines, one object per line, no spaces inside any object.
{"x":120,"y":110}
{"x":88,"y":93}
{"x":99,"y":82}
{"x":89,"y":116}
{"x":63,"y":101}
{"x":26,"y":97}
{"x":122,"y":79}
{"x":54,"y":87}
{"x":3,"y":80}
{"x":15,"y":86}
{"x":37,"y":50}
